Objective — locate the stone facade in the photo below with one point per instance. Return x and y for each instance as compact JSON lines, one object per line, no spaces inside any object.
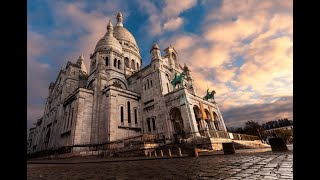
{"x":117,"y":99}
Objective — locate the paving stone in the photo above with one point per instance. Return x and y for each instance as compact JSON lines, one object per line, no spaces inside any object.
{"x":210,"y":167}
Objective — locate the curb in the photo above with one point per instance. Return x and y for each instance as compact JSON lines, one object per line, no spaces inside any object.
{"x":102,"y":161}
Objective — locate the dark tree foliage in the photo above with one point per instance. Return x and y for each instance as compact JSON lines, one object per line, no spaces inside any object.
{"x":238,"y":130}
{"x":252,"y":128}
{"x":277,"y":124}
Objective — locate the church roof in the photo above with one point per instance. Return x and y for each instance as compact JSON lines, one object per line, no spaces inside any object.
{"x":108,"y":41}
{"x":121,"y":33}
{"x":154,"y":46}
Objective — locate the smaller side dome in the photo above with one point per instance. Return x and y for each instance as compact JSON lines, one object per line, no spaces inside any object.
{"x":108,"y":41}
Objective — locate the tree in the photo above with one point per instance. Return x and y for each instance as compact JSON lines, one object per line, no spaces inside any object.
{"x":252,"y":128}
{"x":231,"y":129}
{"x":235,"y":130}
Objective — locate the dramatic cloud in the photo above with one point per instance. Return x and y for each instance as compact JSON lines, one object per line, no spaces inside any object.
{"x":162,"y":19}
{"x":174,"y":8}
{"x":261,"y":113}
{"x":244,"y":53}
{"x":241,"y":49}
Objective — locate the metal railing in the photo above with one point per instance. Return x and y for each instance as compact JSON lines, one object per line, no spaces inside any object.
{"x":244,"y":137}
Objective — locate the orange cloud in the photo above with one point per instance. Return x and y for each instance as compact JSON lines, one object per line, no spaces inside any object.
{"x":174,"y":8}
{"x":173,"y":24}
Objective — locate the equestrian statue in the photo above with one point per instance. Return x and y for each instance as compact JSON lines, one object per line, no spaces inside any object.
{"x":209,"y":95}
{"x":177,"y":79}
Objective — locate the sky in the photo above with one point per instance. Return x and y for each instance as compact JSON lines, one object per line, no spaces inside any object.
{"x":242,"y":49}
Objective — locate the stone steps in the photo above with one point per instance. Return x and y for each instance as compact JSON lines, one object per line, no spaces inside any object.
{"x":249,"y":144}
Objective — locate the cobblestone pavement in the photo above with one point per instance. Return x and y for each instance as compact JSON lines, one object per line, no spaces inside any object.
{"x":261,"y":165}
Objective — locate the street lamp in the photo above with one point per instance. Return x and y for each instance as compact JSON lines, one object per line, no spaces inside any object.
{"x":259,"y":135}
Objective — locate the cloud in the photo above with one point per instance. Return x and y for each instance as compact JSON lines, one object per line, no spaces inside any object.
{"x":164,"y":19}
{"x":174,"y":8}
{"x":38,"y":73}
{"x":76,"y":31}
{"x":242,"y":49}
{"x":261,"y":113}
{"x":173,"y":24}
{"x":258,"y":33}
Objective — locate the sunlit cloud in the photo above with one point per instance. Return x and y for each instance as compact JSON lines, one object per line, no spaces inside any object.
{"x":173,"y":24}
{"x":242,"y":49}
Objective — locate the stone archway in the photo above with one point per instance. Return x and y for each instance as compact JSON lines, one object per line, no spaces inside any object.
{"x":198,"y":116}
{"x":216,"y":121}
{"x":177,"y":122}
{"x":208,"y":120}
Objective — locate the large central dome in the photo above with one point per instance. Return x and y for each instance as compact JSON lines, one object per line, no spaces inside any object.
{"x":124,"y":36}
{"x":121,"y":33}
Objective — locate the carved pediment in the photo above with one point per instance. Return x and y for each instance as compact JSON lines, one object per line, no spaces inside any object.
{"x":116,"y":84}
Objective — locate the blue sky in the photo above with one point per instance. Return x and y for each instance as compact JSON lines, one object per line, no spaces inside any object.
{"x":242,"y":49}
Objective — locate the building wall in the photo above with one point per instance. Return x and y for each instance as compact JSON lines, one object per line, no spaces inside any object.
{"x":86,"y":109}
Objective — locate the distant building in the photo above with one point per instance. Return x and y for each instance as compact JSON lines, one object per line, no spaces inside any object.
{"x":116,"y":99}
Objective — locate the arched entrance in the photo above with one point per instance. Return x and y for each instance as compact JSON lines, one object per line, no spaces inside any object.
{"x":208,"y":120}
{"x":198,"y":116}
{"x":177,"y":122}
{"x":216,"y":121}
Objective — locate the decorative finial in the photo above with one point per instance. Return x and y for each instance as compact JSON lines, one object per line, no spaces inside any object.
{"x":119,"y":19}
{"x":81,"y":57}
{"x":110,"y":28}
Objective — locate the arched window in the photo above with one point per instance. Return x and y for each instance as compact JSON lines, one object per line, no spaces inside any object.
{"x":71,"y":117}
{"x":65,"y":119}
{"x":154,"y":124}
{"x":119,"y":64}
{"x":129,"y":112}
{"x":135,"y":116}
{"x":107,"y":61}
{"x":148,"y":83}
{"x":115,"y":62}
{"x":149,"y":125}
{"x":132,"y":65}
{"x":151,"y":83}
{"x":126,"y":61}
{"x":137,"y":66}
{"x":121,"y":114}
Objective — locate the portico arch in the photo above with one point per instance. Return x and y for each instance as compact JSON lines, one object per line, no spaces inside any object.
{"x":208,"y":120}
{"x":198,"y":116}
{"x":177,"y":122}
{"x":216,"y":121}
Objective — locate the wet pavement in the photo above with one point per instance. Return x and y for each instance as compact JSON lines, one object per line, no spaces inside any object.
{"x":244,"y":165}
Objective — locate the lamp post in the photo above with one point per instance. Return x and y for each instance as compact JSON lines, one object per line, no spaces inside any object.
{"x":259,"y":135}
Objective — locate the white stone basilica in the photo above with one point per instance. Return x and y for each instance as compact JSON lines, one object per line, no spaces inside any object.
{"x":116,"y":99}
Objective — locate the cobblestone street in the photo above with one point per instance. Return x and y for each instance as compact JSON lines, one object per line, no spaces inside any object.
{"x":261,"y":165}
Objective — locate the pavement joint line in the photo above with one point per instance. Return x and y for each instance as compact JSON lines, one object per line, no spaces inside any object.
{"x":253,"y":165}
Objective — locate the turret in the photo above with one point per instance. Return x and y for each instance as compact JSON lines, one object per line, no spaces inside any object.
{"x":155,"y":52}
{"x":172,"y":55}
{"x":187,"y":72}
{"x":190,"y":84}
{"x":80,"y":62}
